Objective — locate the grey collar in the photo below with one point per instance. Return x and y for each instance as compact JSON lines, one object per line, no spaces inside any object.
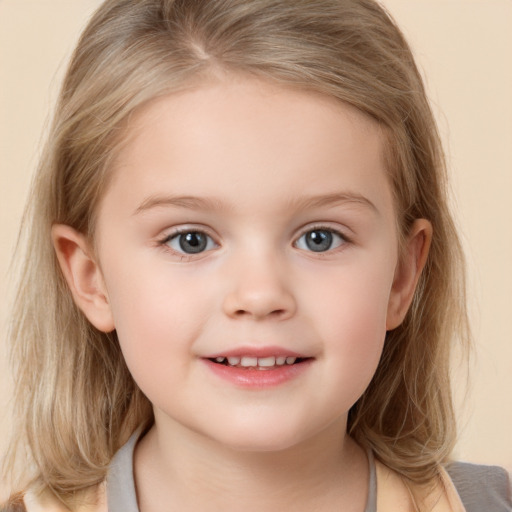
{"x":121,"y":494}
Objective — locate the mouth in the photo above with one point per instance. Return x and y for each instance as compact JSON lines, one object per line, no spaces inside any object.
{"x":258,"y":363}
{"x":260,"y":367}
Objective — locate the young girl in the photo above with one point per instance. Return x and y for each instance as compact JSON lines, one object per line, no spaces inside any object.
{"x":242,"y":280}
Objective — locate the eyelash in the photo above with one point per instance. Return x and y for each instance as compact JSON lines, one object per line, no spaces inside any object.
{"x":165,"y":242}
{"x":343,"y":239}
{"x":211,"y":244}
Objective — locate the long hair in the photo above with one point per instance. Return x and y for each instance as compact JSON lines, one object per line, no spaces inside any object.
{"x":75,"y":401}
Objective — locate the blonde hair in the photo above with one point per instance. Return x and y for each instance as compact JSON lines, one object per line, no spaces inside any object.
{"x":75,"y":401}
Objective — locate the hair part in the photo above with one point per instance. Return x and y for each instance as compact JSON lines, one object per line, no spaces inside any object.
{"x":75,"y":400}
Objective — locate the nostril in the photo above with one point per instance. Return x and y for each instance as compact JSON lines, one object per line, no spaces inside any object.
{"x":253,"y":302}
{"x":275,"y":313}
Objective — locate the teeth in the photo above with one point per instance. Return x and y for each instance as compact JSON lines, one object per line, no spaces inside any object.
{"x":255,"y":362}
{"x":249,"y":361}
{"x":266,"y":361}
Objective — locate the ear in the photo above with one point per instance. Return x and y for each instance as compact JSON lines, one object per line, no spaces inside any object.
{"x":413,"y":259}
{"x":83,"y":275}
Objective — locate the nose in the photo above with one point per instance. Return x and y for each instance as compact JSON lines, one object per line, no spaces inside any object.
{"x":258,"y":289}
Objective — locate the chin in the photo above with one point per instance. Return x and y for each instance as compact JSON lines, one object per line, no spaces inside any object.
{"x":265,"y":446}
{"x":264,"y":440}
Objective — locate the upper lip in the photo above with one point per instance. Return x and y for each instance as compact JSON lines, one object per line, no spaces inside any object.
{"x":259,"y":352}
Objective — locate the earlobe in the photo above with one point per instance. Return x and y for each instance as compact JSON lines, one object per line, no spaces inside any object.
{"x":414,"y":257}
{"x":83,"y":275}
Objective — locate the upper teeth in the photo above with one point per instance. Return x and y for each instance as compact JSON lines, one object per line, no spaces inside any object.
{"x":264,"y":362}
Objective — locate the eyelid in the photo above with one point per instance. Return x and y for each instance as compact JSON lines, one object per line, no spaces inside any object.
{"x":185,"y":228}
{"x":323,"y":227}
{"x":164,"y":240}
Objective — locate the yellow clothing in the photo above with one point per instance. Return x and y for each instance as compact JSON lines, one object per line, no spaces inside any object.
{"x":393,"y":495}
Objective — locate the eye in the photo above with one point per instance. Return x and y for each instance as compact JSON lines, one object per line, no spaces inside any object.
{"x":190,"y":242}
{"x":320,"y":240}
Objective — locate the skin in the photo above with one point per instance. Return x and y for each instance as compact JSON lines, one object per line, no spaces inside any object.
{"x":260,"y":166}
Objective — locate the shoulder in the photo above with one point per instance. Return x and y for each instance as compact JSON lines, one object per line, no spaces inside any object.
{"x":397,"y":493}
{"x":460,"y":487}
{"x":93,"y":501}
{"x":481,"y":487}
{"x":15,"y":504}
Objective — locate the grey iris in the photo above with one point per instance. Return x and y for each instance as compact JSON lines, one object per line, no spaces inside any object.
{"x":319,"y":240}
{"x":193,"y":242}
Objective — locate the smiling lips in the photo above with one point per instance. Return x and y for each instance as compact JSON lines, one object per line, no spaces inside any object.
{"x":260,"y":363}
{"x":258,"y":368}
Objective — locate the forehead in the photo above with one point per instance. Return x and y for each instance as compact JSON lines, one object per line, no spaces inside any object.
{"x":249,"y":137}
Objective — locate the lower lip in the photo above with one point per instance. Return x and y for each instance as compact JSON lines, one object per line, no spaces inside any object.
{"x":258,"y":379}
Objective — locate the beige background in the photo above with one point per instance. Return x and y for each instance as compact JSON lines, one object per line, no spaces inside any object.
{"x":463,"y":46}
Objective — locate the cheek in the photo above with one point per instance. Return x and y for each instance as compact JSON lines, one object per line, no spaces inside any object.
{"x":351,"y":310}
{"x":356,"y":338}
{"x":353,"y":300}
{"x":154,"y":316}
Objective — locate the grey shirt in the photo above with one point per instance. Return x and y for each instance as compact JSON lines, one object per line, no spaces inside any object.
{"x":481,"y":488}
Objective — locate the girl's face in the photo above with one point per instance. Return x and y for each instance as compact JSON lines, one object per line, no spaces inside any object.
{"x":247,"y":251}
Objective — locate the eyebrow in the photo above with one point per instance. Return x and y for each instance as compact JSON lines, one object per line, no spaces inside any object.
{"x":213,"y":204}
{"x":334,"y":199}
{"x":188,"y":202}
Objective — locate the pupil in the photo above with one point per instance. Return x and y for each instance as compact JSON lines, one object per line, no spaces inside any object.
{"x":319,"y":241}
{"x":193,"y":243}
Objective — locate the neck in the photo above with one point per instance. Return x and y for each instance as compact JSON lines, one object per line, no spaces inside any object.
{"x":328,"y":471}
